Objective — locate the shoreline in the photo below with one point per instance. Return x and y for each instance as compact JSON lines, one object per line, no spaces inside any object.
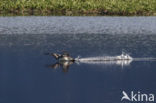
{"x":78,"y":7}
{"x":72,"y":13}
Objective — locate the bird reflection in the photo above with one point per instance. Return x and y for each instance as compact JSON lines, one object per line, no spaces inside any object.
{"x":64,"y":65}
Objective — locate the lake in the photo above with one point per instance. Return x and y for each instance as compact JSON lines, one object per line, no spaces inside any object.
{"x":27,"y":75}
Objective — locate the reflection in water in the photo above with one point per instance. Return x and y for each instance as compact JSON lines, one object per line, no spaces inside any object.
{"x":63,"y":64}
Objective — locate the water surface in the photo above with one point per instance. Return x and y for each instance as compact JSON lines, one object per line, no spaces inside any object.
{"x":26,"y":75}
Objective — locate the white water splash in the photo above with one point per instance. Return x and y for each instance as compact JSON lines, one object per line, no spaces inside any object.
{"x":109,"y":60}
{"x":123,"y":60}
{"x":123,"y":56}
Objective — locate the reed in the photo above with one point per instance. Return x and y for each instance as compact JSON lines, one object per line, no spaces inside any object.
{"x":78,"y":7}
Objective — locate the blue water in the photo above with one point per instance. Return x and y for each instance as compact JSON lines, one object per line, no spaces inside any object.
{"x":26,"y":75}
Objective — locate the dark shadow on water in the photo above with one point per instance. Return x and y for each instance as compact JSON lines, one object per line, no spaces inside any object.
{"x":63,"y":65}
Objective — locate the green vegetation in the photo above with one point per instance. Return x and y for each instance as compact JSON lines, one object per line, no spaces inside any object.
{"x":78,"y":7}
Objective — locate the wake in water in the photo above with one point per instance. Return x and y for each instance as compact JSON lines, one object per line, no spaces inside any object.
{"x":123,"y":56}
{"x":123,"y":59}
{"x":104,"y":60}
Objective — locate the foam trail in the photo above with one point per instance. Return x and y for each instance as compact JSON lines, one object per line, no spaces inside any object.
{"x":90,"y":59}
{"x":109,"y":60}
{"x":112,"y":60}
{"x":106,"y":58}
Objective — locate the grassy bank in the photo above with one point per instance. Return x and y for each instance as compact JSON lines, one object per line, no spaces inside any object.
{"x":78,"y":7}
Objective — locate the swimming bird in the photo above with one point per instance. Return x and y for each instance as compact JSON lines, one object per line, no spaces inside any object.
{"x":63,"y":57}
{"x":63,"y":60}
